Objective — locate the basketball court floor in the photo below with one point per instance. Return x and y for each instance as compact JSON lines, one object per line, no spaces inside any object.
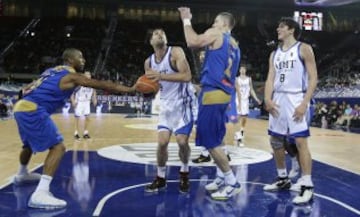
{"x":106,"y":175}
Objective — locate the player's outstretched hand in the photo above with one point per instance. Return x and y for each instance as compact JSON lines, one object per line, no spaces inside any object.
{"x":185,"y":13}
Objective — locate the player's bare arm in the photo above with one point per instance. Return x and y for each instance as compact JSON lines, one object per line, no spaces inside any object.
{"x":238,"y":93}
{"x":308,"y":56}
{"x":253,"y":93}
{"x":193,"y":39}
{"x":73,"y":100}
{"x":179,"y":62}
{"x":94,"y":98}
{"x":271,"y":107}
{"x":74,"y":79}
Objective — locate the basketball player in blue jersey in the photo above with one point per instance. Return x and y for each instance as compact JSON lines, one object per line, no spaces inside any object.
{"x":39,"y":133}
{"x":290,"y":84}
{"x":222,"y":59}
{"x":169,"y":66}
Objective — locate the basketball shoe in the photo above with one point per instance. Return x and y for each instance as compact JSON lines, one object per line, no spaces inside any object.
{"x":184,"y":185}
{"x":202,"y":159}
{"x":226,"y":192}
{"x":76,"y":136}
{"x":216,"y":184}
{"x":157,"y":185}
{"x":306,"y":195}
{"x":279,"y":184}
{"x":45,"y":200}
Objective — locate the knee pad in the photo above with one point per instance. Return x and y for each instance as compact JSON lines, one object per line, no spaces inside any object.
{"x":277,"y":142}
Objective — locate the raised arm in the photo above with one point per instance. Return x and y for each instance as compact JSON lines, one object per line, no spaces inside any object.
{"x":193,"y":39}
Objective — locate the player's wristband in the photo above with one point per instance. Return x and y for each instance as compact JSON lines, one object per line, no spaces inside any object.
{"x":186,"y":22}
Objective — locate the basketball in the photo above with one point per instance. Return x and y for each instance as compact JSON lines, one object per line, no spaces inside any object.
{"x":145,"y":85}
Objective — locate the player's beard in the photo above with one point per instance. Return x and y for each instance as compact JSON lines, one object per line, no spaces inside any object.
{"x":79,"y":68}
{"x":160,"y":44}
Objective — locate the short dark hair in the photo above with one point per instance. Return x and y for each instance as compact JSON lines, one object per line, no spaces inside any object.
{"x":150,"y":32}
{"x":69,"y":53}
{"x":230,"y":18}
{"x":292,"y":24}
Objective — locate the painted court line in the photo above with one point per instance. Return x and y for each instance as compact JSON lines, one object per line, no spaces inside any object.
{"x":102,"y":202}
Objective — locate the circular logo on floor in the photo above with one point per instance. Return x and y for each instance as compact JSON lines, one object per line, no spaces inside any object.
{"x":145,"y":153}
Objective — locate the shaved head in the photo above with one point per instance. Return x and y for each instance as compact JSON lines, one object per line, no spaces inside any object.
{"x":228,"y":18}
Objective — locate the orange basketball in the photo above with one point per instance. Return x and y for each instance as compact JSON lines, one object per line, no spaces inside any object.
{"x":145,"y":85}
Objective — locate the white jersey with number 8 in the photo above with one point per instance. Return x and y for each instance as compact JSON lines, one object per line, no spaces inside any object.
{"x":290,"y":72}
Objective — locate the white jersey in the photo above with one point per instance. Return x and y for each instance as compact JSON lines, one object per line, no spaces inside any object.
{"x":176,"y":99}
{"x":169,"y":90}
{"x":290,"y":72}
{"x":84,"y":94}
{"x":244,"y":85}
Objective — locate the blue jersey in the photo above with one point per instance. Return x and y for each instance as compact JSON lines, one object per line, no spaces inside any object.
{"x":221,"y":65}
{"x":46,"y":92}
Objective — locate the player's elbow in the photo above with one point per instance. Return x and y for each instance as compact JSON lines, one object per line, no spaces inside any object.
{"x":190,"y":44}
{"x":193,"y":43}
{"x":187,"y":77}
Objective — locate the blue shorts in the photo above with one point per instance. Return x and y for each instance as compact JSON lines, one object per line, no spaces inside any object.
{"x":211,"y":127}
{"x":37,"y":130}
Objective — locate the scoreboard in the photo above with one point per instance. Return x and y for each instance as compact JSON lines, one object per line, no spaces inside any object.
{"x":310,"y":21}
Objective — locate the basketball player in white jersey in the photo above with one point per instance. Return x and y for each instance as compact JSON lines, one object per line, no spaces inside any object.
{"x":169,"y":66}
{"x":290,"y":84}
{"x":81,"y":100}
{"x":244,"y":88}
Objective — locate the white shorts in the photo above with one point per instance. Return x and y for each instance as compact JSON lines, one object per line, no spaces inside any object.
{"x":176,"y":116}
{"x":244,"y":107}
{"x":284,"y":124}
{"x":82,"y":108}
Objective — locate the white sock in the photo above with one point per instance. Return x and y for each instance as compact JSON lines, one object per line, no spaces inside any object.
{"x":205,"y":152}
{"x":44,"y":184}
{"x":23,"y":170}
{"x":294,"y":163}
{"x":86,"y":132}
{"x":161,"y":171}
{"x":306,"y":180}
{"x":219,"y":173}
{"x":230,"y":178}
{"x":184,"y":168}
{"x":282,"y":173}
{"x":76,"y":132}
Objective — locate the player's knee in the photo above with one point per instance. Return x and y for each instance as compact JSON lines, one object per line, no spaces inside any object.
{"x":60,"y":148}
{"x":277,"y":142}
{"x":163,"y":143}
